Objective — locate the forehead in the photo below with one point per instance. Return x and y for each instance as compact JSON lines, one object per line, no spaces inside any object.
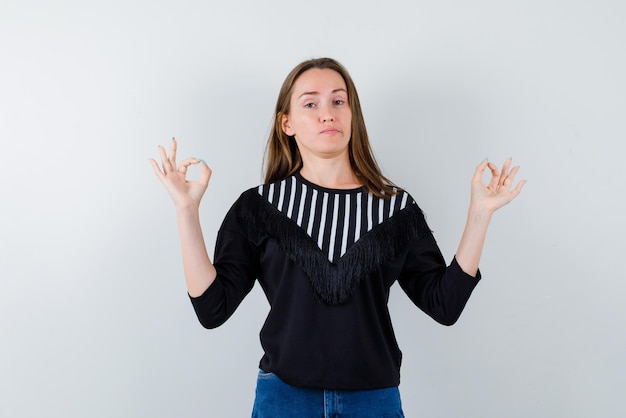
{"x":318,"y":81}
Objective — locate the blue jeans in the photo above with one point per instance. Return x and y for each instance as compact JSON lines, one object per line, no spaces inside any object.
{"x":276,"y":399}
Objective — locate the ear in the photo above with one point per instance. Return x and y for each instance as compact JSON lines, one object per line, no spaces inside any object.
{"x":284,"y":123}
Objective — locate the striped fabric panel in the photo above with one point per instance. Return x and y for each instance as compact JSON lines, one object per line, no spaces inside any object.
{"x":334,"y":219}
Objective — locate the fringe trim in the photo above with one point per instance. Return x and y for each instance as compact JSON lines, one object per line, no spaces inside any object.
{"x":334,"y":283}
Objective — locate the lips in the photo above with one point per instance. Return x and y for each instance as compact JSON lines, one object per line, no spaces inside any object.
{"x":329,"y":131}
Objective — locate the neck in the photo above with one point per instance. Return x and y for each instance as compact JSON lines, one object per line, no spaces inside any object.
{"x":330,"y":173}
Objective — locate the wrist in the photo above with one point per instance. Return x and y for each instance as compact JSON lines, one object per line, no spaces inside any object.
{"x":187,"y":210}
{"x":479,"y":213}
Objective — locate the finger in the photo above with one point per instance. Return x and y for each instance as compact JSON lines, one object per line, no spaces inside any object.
{"x":184,"y":165}
{"x":173,"y":147}
{"x":505,"y":170}
{"x":495,"y":176}
{"x":157,"y":169}
{"x":511,"y":176}
{"x":165,"y":162}
{"x":519,"y":187}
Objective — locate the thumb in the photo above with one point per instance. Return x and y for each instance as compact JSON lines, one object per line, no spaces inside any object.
{"x":205,"y":172}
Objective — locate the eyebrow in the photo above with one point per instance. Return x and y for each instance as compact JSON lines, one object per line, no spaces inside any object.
{"x":317,"y":92}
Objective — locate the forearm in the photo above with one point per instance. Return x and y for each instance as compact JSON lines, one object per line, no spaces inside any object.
{"x":198,"y":268}
{"x":473,"y":239}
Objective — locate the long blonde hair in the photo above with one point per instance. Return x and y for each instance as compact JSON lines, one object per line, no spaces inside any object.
{"x":282,"y":157}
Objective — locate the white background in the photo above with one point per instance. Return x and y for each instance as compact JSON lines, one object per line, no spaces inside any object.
{"x":94,"y":316}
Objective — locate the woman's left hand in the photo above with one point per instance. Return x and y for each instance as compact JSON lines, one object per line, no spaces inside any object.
{"x":499,"y":191}
{"x":485,"y":200}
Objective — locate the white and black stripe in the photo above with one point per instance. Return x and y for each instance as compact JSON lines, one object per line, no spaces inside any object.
{"x":334,"y":219}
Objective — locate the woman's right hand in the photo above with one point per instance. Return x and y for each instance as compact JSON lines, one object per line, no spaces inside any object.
{"x":185,"y":194}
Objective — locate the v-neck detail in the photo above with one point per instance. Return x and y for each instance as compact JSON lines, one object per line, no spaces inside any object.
{"x":335,"y":219}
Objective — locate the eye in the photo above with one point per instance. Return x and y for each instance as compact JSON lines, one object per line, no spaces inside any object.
{"x":309,"y":105}
{"x":338,"y":102}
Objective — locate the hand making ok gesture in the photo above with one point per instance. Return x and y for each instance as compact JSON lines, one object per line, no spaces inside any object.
{"x":184,"y":193}
{"x":499,"y":191}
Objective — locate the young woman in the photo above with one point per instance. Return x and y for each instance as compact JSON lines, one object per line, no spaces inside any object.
{"x":326,"y":236}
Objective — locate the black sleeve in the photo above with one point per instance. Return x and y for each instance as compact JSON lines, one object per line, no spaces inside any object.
{"x":440,"y":291}
{"x":236,"y":261}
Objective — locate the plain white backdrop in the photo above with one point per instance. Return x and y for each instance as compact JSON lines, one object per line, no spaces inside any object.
{"x":94,"y":316}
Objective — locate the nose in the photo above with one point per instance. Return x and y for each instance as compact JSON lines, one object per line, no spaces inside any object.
{"x":327,"y":115}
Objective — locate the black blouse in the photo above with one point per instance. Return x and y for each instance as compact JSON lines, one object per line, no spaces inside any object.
{"x":326,"y":260}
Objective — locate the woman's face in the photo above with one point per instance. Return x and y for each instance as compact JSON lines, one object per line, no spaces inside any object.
{"x":320,"y":118}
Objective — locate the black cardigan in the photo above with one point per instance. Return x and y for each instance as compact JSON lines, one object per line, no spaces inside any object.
{"x":329,"y":325}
